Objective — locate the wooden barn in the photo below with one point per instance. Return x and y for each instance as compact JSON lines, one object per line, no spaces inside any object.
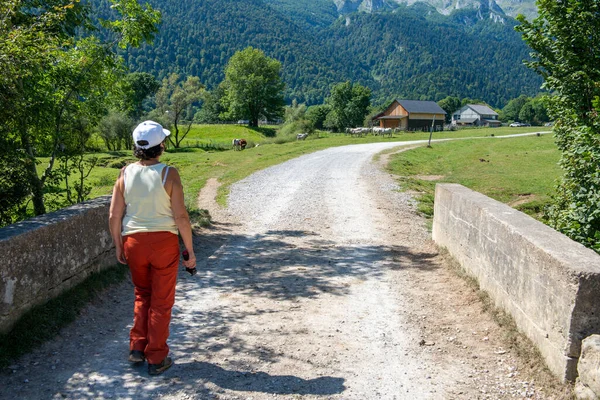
{"x":412,"y":115}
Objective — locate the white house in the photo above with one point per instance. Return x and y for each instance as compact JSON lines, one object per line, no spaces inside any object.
{"x":476,"y":115}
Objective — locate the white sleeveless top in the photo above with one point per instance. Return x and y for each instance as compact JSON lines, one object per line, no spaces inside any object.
{"x":148,"y":205}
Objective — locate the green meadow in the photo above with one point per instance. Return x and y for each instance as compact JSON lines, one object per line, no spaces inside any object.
{"x":521,"y":172}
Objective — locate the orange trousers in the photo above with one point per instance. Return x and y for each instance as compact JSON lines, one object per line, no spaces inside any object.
{"x":153,"y":260}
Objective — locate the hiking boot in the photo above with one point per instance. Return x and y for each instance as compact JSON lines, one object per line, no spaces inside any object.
{"x":157,"y":369}
{"x":136,"y":356}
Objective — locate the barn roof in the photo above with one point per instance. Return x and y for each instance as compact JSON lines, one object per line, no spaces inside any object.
{"x":419,"y":106}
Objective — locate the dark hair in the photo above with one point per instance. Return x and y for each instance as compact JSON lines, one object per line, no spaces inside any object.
{"x":147,"y":154}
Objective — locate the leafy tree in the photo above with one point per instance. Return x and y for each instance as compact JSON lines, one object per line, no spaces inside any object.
{"x":173,"y":100}
{"x":115,"y":130}
{"x":14,"y":190}
{"x":295,"y":120}
{"x":527,"y":114}
{"x":253,"y":88}
{"x":317,"y":115}
{"x":565,"y":39}
{"x":56,"y":74}
{"x":137,"y":87}
{"x":540,"y":109}
{"x":468,"y":100}
{"x":511,"y":111}
{"x":349,"y":105}
{"x":294,"y":112}
{"x":450,"y":104}
{"x":211,"y":108}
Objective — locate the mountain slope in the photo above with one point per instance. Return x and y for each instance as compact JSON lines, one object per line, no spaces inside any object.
{"x":421,"y":59}
{"x":198,"y":37}
{"x":410,"y":52}
{"x":446,"y":7}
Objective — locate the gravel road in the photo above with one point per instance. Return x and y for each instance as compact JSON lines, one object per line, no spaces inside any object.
{"x":319,"y":281}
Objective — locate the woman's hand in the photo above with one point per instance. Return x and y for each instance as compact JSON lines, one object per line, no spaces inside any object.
{"x":191,"y":261}
{"x":120,"y":254}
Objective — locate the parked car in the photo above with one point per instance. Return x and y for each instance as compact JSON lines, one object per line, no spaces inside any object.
{"x":515,"y":124}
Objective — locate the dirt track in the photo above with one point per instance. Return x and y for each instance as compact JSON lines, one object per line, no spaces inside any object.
{"x":319,"y":281}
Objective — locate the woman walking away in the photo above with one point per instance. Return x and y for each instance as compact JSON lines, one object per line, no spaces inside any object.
{"x":146,"y":213}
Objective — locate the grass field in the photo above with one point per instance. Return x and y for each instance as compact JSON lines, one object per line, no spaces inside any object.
{"x":521,"y":172}
{"x":197,"y":164}
{"x":220,"y":136}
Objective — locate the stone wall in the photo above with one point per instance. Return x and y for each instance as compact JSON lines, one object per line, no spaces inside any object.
{"x":547,"y":282}
{"x":588,"y":382}
{"x":44,"y":256}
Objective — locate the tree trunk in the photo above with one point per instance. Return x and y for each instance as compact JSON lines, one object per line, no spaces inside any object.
{"x":37,"y":186}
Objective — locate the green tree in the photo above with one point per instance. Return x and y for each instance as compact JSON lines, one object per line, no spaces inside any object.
{"x":14,"y":190}
{"x":253,"y":88}
{"x":450,"y":104}
{"x":565,"y":39}
{"x":295,"y":120}
{"x":511,"y":111}
{"x":56,"y":76}
{"x":317,"y":114}
{"x":349,"y":105}
{"x":540,"y":109}
{"x":115,"y":130}
{"x":294,"y":112}
{"x":211,"y":108}
{"x":468,"y":100}
{"x":527,"y":113}
{"x":173,"y":100}
{"x":137,"y":87}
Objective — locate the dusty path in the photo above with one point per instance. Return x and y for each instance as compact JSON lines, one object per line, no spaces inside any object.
{"x":319,"y":281}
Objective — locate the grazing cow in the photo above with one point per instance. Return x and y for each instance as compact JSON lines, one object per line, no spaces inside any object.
{"x":301,"y":136}
{"x":243,"y":144}
{"x":235,"y":144}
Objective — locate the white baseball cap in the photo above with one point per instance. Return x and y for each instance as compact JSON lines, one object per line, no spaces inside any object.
{"x":149,"y":134}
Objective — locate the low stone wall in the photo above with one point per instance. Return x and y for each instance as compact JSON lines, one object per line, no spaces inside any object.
{"x":547,"y":282}
{"x":588,"y":382}
{"x":44,"y":256}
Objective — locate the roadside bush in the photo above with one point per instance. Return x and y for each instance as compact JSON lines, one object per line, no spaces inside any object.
{"x":576,"y":208}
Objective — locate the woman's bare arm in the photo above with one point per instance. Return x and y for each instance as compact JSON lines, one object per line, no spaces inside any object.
{"x":180,"y":215}
{"x":115,"y":218}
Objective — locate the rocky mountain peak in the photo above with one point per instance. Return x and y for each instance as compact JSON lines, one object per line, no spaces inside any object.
{"x":492,"y":9}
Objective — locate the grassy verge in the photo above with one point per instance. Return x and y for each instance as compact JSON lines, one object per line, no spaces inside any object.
{"x":521,"y":172}
{"x":44,"y":322}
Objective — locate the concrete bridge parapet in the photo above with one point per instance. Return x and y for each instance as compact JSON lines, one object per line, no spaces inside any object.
{"x":547,"y":282}
{"x":46,"y":255}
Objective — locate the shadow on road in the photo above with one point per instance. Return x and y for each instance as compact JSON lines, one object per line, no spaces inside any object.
{"x":261,"y":381}
{"x":268,"y":265}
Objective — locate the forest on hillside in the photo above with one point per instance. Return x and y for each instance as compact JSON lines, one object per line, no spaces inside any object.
{"x":413,"y":52}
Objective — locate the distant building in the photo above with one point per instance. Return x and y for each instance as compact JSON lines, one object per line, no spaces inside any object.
{"x":476,"y":115}
{"x":412,"y":115}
